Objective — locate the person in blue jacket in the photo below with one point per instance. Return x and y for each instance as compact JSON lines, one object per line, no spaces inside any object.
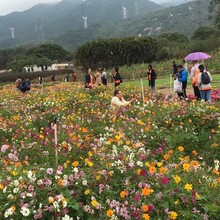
{"x":182,"y":77}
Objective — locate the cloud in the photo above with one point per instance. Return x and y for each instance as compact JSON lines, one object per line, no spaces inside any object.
{"x":8,"y":6}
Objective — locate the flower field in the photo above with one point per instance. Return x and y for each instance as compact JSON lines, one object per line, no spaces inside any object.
{"x":157,"y":161}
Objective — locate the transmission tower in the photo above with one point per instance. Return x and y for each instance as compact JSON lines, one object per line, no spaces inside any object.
{"x":39,"y":28}
{"x":125,"y":12}
{"x":136,"y":9}
{"x":12,"y":29}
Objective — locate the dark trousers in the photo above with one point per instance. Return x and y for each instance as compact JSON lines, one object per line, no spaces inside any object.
{"x":196,"y":92}
{"x":183,"y":94}
{"x":104,"y":81}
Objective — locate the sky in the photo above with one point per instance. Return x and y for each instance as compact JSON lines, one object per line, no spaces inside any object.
{"x":8,"y":6}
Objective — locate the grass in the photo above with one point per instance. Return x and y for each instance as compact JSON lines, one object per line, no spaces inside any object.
{"x":164,"y":82}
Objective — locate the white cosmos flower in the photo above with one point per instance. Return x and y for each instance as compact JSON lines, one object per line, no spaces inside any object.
{"x":25,"y":211}
{"x":84,"y":182}
{"x":67,"y":217}
{"x":15,"y":190}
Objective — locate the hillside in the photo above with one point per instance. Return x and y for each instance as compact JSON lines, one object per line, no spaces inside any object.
{"x":184,"y":19}
{"x":46,"y":21}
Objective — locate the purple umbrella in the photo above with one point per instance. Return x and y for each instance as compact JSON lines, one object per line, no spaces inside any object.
{"x":197,"y":56}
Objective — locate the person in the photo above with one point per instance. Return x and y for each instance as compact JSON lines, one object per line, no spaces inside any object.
{"x":104,"y":77}
{"x":119,"y":101}
{"x":18,"y":83}
{"x":67,"y":77}
{"x":185,"y":65}
{"x":152,"y":76}
{"x":175,"y":71}
{"x":194,"y":77}
{"x":28,"y":84}
{"x":117,"y":77}
{"x":182,"y":77}
{"x":23,"y":86}
{"x":98,"y":77}
{"x":89,"y":79}
{"x":74,"y":78}
{"x":40,"y":80}
{"x":204,"y":83}
{"x":53,"y":77}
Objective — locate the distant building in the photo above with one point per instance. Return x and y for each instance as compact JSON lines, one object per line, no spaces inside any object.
{"x":55,"y":66}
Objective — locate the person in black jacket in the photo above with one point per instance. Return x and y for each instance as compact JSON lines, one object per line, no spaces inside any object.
{"x":151,"y":77}
{"x":88,"y":79}
{"x":117,"y":77}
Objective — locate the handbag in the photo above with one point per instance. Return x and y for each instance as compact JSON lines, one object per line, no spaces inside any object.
{"x":178,"y":86}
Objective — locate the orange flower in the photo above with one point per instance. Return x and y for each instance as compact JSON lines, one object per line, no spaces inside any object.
{"x":60,"y":182}
{"x":109,"y":213}
{"x":144,"y":208}
{"x":163,"y":170}
{"x":170,"y":152}
{"x":194,"y":152}
{"x":50,"y":199}
{"x":18,"y":164}
{"x":84,"y":130}
{"x":152,"y":169}
{"x":146,"y":191}
{"x":123,"y":194}
{"x":166,"y":156}
{"x":194,"y":163}
{"x":219,"y":180}
{"x":75,"y":163}
{"x":181,"y":148}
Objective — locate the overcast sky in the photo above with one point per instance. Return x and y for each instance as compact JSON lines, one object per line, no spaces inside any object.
{"x":8,"y":6}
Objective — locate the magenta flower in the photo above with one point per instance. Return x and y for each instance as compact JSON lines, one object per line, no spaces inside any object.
{"x":164,"y":180}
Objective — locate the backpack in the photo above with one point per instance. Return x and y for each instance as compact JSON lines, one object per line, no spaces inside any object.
{"x":205,"y":78}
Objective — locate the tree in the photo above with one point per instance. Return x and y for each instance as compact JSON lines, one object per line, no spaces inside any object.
{"x":204,"y":33}
{"x":215,"y":8}
{"x":51,"y":51}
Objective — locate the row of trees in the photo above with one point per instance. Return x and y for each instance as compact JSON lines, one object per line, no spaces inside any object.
{"x":119,"y":51}
{"x":112,"y":52}
{"x":135,"y":50}
{"x":43,"y":55}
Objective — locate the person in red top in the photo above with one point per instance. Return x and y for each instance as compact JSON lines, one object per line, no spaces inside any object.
{"x":117,"y":77}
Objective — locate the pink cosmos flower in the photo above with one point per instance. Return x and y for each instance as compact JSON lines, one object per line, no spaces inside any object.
{"x":4,"y":148}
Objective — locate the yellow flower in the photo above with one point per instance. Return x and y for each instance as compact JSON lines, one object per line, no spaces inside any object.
{"x":94,"y":203}
{"x":98,"y":177}
{"x":159,"y":164}
{"x":188,"y":187}
{"x":173,"y":215}
{"x":110,"y":212}
{"x":176,"y":202}
{"x":177,"y":179}
{"x":90,"y":163}
{"x":186,"y":167}
{"x":1,"y":186}
{"x":146,"y":216}
{"x":181,"y":148}
{"x":87,"y":192}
